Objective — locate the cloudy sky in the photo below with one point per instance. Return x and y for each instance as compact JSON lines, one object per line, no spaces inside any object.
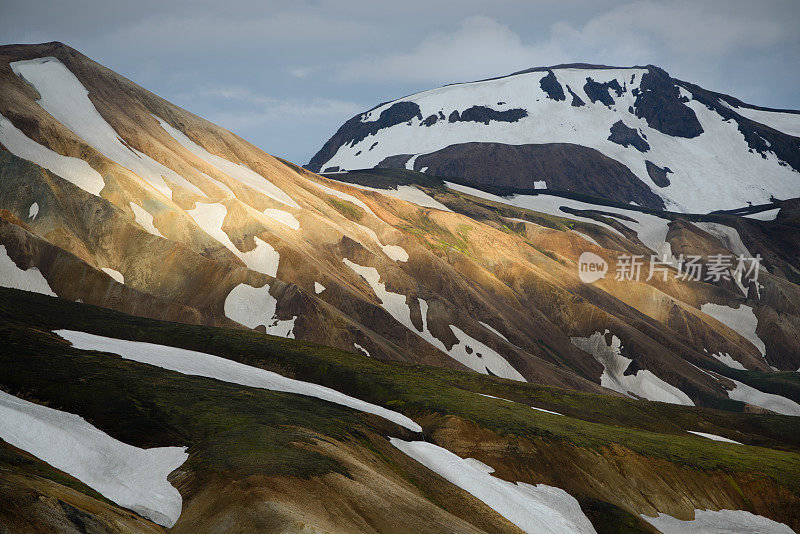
{"x":285,"y":74}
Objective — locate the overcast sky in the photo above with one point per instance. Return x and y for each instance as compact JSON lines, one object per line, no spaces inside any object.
{"x":285,"y":74}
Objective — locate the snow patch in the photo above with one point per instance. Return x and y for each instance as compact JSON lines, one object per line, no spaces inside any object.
{"x":770,"y":401}
{"x":318,"y":288}
{"x":14,"y":277}
{"x":67,"y":100}
{"x":768,"y":215}
{"x":254,"y":306}
{"x":194,"y":363}
{"x":495,"y":332}
{"x":729,"y":361}
{"x":394,"y":252}
{"x":788,"y":123}
{"x":741,"y":320}
{"x":144,"y":219}
{"x":546,"y":411}
{"x":719,"y":521}
{"x":116,"y":275}
{"x":344,"y":196}
{"x":131,"y":477}
{"x":468,"y":351}
{"x":73,"y":170}
{"x":712,"y":437}
{"x":651,"y":230}
{"x":283,"y":217}
{"x":409,"y":193}
{"x":727,"y":235}
{"x":642,"y":384}
{"x":536,"y":509}
{"x":210,"y":217}
{"x":362,"y":349}
{"x":236,"y":171}
{"x":33,"y":211}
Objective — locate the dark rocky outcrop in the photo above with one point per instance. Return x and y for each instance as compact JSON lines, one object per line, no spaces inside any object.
{"x":599,"y":91}
{"x":552,"y":88}
{"x":486,"y":115}
{"x":658,"y":174}
{"x":625,"y":136}
{"x":659,"y":102}
{"x":430,"y":120}
{"x":354,"y":130}
{"x":563,"y":166}
{"x":576,"y":100}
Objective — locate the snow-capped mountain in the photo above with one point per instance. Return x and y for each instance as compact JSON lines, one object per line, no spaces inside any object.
{"x":629,"y":134}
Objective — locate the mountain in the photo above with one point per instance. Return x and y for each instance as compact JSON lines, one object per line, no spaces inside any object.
{"x":632,"y":134}
{"x":257,"y":332}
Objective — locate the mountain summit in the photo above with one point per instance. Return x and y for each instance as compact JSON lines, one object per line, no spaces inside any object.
{"x":630,"y":134}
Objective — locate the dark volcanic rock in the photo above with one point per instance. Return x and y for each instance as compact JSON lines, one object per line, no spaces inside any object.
{"x":599,"y":91}
{"x":430,"y":120}
{"x":485,"y":115}
{"x":625,"y":136}
{"x":516,"y":167}
{"x":659,"y":103}
{"x":354,"y":130}
{"x":576,"y":100}
{"x":657,"y":174}
{"x":394,"y":162}
{"x":550,"y":85}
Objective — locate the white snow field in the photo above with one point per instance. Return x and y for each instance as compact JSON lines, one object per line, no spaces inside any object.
{"x":283,"y":217}
{"x":788,"y":123}
{"x":770,"y":401}
{"x":235,"y":170}
{"x":254,"y":306}
{"x":538,"y":509}
{"x":547,"y":411}
{"x":409,"y":193}
{"x":67,"y":100}
{"x":768,"y":215}
{"x":534,"y":407}
{"x":642,"y":384}
{"x":144,"y":219}
{"x":728,"y":360}
{"x":116,"y":275}
{"x":711,"y":171}
{"x":28,"y":279}
{"x":466,"y":351}
{"x":73,"y":170}
{"x":210,"y":217}
{"x":741,"y":320}
{"x":727,"y":235}
{"x":344,"y":196}
{"x":195,"y":363}
{"x":131,"y":477}
{"x":394,"y":252}
{"x":651,"y":230}
{"x":718,"y":522}
{"x":495,"y":332}
{"x":713,"y":437}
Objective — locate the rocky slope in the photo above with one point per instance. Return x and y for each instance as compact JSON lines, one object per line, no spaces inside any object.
{"x":631,"y":134}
